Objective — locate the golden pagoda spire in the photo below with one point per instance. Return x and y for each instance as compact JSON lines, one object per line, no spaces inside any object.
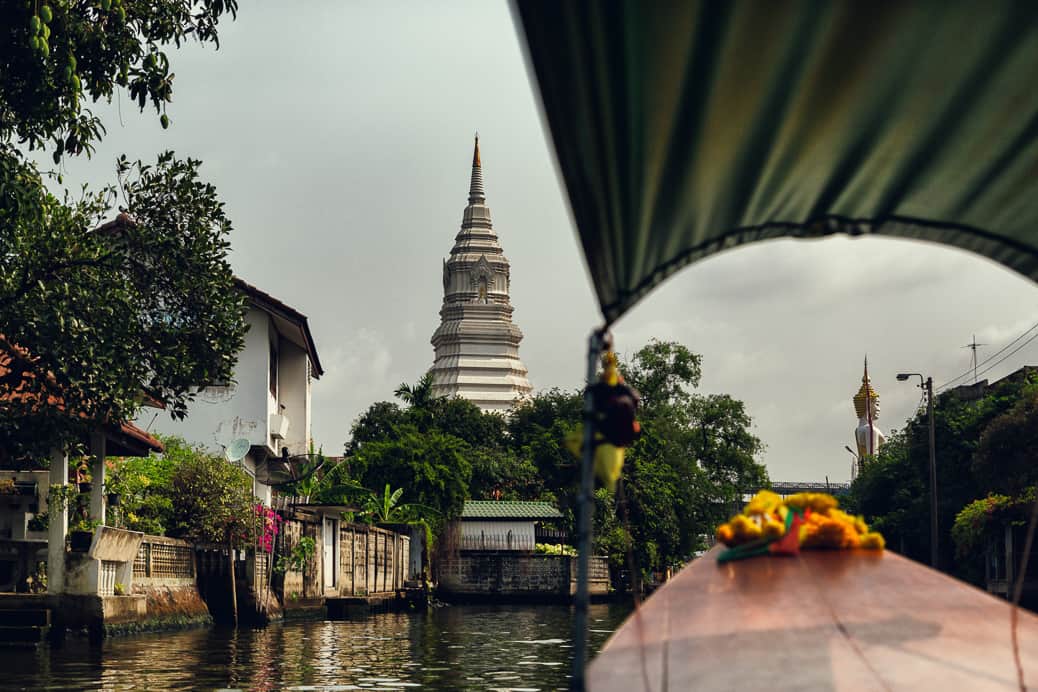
{"x":866,"y":395}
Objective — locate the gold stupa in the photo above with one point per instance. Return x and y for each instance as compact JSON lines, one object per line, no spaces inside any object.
{"x":865,"y":393}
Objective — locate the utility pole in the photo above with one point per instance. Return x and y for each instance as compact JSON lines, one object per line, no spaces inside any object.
{"x":933,"y":474}
{"x":927,"y":386}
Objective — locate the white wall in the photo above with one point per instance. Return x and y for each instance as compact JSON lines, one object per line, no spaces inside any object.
{"x":221,"y":414}
{"x":493,"y":535}
{"x":294,"y":396}
{"x":243,"y":409}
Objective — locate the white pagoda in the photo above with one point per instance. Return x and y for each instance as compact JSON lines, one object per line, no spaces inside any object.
{"x":476,"y":344}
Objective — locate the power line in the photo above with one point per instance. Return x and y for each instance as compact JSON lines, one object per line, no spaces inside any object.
{"x":987,"y":360}
{"x":1009,"y":354}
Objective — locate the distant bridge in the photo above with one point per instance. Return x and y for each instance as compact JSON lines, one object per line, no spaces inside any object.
{"x":784,"y":488}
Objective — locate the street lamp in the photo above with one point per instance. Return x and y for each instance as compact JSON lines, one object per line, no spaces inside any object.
{"x":927,"y":386}
{"x":857,"y":462}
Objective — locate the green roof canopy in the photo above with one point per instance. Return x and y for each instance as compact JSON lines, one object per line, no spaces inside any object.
{"x":500,"y":509}
{"x":686,"y":128}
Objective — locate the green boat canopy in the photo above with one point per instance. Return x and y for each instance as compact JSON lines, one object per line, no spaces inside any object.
{"x":686,"y":128}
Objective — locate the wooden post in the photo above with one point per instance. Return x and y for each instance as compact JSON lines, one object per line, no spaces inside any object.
{"x":234,"y":586}
{"x":1010,"y":568}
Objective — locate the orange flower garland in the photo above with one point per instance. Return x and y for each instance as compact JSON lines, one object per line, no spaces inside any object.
{"x":818,"y":520}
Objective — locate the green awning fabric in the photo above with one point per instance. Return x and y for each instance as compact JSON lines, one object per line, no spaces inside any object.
{"x":686,"y":128}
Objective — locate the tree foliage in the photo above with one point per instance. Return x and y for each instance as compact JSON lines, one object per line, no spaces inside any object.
{"x":697,"y":455}
{"x":212,"y":501}
{"x":145,"y":487}
{"x":984,"y":449}
{"x":431,"y":468}
{"x":94,"y":315}
{"x":53,"y":55}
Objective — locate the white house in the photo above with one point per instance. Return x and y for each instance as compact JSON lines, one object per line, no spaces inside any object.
{"x":268,"y":401}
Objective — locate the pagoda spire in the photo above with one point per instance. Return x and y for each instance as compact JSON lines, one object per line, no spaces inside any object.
{"x":476,"y":194}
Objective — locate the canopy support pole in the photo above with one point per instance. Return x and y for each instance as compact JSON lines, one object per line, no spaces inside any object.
{"x":585,"y":502}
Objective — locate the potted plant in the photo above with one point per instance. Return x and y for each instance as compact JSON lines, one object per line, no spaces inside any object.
{"x":39,"y":522}
{"x":81,"y":534}
{"x":114,"y":488}
{"x":59,"y":496}
{"x":83,"y":477}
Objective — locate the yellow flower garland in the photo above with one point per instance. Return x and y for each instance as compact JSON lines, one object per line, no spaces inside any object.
{"x":825,"y":525}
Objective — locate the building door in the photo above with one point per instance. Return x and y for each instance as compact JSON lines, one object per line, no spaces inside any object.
{"x":330,"y":559}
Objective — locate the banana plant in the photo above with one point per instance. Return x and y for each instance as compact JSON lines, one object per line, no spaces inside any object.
{"x":387,"y":508}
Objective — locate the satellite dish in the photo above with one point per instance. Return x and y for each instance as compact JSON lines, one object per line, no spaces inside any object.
{"x":237,"y":449}
{"x":285,"y":469}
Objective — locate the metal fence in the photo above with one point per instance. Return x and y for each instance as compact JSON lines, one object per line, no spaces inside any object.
{"x":554,"y":536}
{"x":497,"y":541}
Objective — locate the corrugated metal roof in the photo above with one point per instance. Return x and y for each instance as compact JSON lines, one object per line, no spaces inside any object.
{"x":502,"y":509}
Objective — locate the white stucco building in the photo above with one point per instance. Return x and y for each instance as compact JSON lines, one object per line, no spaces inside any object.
{"x":476,"y":344}
{"x":268,"y":401}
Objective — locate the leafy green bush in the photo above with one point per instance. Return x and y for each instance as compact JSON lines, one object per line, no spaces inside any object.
{"x":984,"y":519}
{"x":212,"y":501}
{"x":297,"y":559}
{"x":145,"y":486}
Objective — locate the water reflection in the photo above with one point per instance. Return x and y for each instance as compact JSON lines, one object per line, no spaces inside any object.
{"x":449,"y":648}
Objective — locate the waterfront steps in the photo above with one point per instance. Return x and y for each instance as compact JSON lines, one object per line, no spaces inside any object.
{"x":24,"y":626}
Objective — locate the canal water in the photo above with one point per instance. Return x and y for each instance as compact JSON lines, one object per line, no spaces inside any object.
{"x":446,"y":648}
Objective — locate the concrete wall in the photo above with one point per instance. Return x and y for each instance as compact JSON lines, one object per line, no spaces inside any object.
{"x":506,"y":574}
{"x":372,"y":560}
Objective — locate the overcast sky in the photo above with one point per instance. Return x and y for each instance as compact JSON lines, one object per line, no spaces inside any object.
{"x":340,"y":137}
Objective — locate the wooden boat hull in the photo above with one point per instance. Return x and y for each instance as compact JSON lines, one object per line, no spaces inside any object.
{"x":826,"y":620}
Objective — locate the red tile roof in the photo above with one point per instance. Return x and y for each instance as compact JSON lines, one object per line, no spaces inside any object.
{"x":14,"y":380}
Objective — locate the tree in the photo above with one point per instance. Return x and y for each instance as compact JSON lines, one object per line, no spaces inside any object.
{"x":894,"y":497}
{"x":695,"y":459}
{"x":982,"y":447}
{"x":52,"y":55}
{"x":1005,"y":457}
{"x":431,"y":468}
{"x":417,"y":396}
{"x":212,"y":501}
{"x":381,"y":421}
{"x":502,"y":474}
{"x":95,"y":316}
{"x":664,"y":373}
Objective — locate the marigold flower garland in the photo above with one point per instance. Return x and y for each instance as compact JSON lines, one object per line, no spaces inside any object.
{"x":770,"y":524}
